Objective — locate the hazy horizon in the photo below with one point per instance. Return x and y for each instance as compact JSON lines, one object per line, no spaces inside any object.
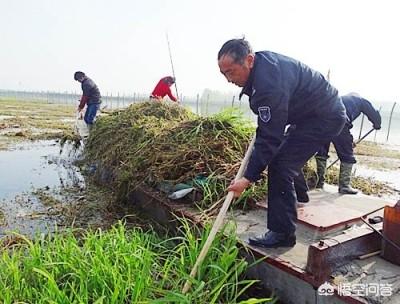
{"x":123,"y":45}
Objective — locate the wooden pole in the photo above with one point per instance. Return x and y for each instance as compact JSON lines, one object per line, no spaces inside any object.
{"x":361,"y":125}
{"x":390,"y":121}
{"x":172,"y":66}
{"x":219,"y":220}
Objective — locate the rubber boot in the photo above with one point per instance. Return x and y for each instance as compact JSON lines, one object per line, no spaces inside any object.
{"x":321,"y":168}
{"x":345,"y":178}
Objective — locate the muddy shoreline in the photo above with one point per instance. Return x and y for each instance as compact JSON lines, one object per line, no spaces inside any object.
{"x":42,"y":185}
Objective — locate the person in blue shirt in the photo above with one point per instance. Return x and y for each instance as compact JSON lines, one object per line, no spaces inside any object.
{"x":282,"y":91}
{"x":355,"y":105}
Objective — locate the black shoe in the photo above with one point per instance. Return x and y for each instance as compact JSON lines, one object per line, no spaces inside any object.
{"x":302,"y":197}
{"x":273,"y":239}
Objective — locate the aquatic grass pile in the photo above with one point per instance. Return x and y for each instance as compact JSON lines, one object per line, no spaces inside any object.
{"x":162,"y":144}
{"x":156,"y":143}
{"x":116,"y":137}
{"x":121,"y":266}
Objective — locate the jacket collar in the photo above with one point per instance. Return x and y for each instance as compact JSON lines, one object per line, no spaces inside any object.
{"x":248,"y":88}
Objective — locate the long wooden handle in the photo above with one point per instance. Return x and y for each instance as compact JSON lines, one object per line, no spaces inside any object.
{"x":219,"y":220}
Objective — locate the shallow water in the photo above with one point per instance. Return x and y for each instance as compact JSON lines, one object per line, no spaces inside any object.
{"x":35,"y":165}
{"x":25,"y":168}
{"x":391,"y":177}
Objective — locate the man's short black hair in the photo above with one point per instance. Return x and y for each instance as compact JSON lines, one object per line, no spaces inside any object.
{"x":79,"y":75}
{"x":169,"y":80}
{"x":238,"y":49}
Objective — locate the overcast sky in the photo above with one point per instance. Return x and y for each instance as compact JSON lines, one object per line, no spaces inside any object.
{"x":122,"y":45}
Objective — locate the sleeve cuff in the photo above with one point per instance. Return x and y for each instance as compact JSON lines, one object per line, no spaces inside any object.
{"x":252,"y":177}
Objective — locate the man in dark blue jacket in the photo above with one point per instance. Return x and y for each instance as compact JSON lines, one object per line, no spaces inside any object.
{"x":90,"y":97}
{"x":281,"y":91}
{"x":355,"y":105}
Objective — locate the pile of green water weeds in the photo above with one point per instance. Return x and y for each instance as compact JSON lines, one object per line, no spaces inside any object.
{"x":154,"y":143}
{"x":158,"y":143}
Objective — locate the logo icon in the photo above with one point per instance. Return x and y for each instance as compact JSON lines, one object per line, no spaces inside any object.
{"x":326,"y":289}
{"x":264,"y":113}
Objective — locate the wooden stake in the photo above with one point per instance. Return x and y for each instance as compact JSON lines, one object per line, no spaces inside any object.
{"x":219,"y":220}
{"x":172,"y":66}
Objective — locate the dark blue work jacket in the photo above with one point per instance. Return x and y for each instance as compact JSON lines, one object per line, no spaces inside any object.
{"x":284,"y":91}
{"x":355,"y":105}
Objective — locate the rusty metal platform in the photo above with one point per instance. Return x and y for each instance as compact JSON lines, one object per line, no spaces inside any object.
{"x":329,"y":217}
{"x":323,"y":217}
{"x":329,"y":212}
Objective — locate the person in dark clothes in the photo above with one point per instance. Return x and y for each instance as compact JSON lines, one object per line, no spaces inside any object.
{"x":281,"y":91}
{"x":163,"y":88}
{"x":90,"y":97}
{"x":355,"y":105}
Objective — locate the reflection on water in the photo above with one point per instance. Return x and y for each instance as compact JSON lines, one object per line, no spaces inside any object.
{"x":28,"y":167}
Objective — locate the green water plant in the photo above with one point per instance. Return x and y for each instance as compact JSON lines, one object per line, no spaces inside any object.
{"x":122,"y":266}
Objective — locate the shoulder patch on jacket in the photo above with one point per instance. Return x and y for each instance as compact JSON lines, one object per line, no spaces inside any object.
{"x":264,"y":113}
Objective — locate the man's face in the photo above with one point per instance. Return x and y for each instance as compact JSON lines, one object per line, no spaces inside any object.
{"x":236,"y":73}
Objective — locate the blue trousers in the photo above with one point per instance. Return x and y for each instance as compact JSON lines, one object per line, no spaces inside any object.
{"x":298,"y":146}
{"x":90,"y":114}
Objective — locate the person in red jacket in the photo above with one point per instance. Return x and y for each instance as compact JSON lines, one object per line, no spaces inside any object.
{"x":163,"y":88}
